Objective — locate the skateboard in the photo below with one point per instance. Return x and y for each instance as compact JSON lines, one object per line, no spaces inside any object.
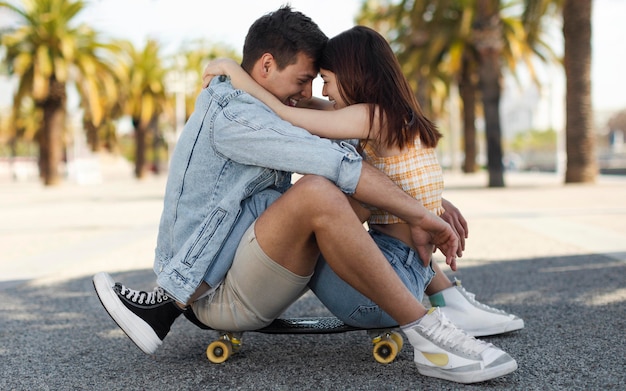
{"x":386,"y":342}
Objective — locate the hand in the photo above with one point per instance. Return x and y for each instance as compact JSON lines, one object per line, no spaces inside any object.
{"x":435,"y":231}
{"x":458,"y":223}
{"x":216,"y":67}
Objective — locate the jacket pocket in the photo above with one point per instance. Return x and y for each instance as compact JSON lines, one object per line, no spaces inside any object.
{"x":265,"y":179}
{"x":209,"y":227}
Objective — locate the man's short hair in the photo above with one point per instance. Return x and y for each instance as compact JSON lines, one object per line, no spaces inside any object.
{"x":283,"y":33}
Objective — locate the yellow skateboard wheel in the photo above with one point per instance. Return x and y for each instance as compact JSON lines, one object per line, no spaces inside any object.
{"x":219,"y":351}
{"x":397,"y":337}
{"x":385,"y":350}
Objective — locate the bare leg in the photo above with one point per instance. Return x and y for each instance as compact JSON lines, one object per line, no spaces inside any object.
{"x":315,"y":216}
{"x":439,"y":282}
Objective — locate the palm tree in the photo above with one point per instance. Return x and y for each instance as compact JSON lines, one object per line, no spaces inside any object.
{"x":44,"y":51}
{"x":462,"y":42}
{"x":468,"y":90}
{"x":99,"y":84}
{"x":144,"y":95}
{"x":487,"y":34}
{"x":580,"y":139}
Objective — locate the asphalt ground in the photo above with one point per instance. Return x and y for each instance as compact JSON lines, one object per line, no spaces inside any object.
{"x":553,"y":254}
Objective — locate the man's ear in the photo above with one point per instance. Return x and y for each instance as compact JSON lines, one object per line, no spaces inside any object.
{"x":267,"y":63}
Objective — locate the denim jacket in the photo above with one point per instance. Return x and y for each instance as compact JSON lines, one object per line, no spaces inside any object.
{"x":232,"y":147}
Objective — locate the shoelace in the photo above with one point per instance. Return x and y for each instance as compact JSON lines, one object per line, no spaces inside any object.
{"x":471,"y":297}
{"x":158,"y":295}
{"x":447,"y":334}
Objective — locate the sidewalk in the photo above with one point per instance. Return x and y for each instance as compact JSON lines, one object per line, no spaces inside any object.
{"x":553,"y":254}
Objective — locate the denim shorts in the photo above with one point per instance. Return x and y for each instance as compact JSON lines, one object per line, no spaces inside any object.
{"x":355,"y":309}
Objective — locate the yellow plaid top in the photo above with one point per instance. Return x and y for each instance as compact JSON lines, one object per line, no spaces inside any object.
{"x":417,"y":172}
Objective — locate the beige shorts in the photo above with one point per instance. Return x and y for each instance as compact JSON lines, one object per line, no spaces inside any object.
{"x":256,"y":291}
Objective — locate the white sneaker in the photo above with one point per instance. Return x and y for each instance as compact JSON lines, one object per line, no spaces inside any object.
{"x":476,"y":318}
{"x":446,"y":352}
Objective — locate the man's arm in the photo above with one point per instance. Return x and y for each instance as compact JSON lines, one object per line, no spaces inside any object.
{"x":375,"y":188}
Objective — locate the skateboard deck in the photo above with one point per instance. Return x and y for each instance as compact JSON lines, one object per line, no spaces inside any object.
{"x":386,"y":342}
{"x":319,"y":325}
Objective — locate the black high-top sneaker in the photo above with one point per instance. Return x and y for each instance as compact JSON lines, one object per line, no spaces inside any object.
{"x":146,"y":317}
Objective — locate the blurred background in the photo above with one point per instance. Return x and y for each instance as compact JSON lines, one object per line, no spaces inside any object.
{"x":515,"y":85}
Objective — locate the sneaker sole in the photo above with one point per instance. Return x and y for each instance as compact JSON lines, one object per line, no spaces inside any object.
{"x":136,"y":329}
{"x":514,"y":325}
{"x":469,"y":377}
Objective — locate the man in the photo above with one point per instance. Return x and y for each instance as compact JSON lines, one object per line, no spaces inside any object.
{"x":237,"y":244}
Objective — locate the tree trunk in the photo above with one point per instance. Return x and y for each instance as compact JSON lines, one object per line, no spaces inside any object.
{"x":93,"y":137}
{"x":490,"y":88}
{"x":467,"y":90}
{"x":141,"y":130}
{"x":581,"y":166}
{"x":51,"y":133}
{"x":156,"y":143}
{"x":488,"y":40}
{"x":422,"y":95}
{"x":110,"y":137}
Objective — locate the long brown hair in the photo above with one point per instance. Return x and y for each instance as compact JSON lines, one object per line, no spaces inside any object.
{"x":367,"y":71}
